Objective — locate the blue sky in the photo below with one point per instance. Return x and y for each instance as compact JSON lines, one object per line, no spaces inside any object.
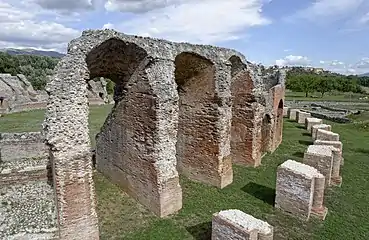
{"x":332,"y":34}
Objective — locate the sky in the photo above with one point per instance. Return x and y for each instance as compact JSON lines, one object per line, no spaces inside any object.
{"x":332,"y":34}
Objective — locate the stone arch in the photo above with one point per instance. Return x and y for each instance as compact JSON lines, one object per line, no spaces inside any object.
{"x":127,"y":146}
{"x":279,"y":123}
{"x":266,"y":130}
{"x":243,"y":114}
{"x":136,"y":146}
{"x":198,"y":139}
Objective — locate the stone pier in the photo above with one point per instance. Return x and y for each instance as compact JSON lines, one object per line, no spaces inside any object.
{"x":336,"y":144}
{"x":300,"y":190}
{"x":292,"y":114}
{"x":311,"y":122}
{"x":321,"y":158}
{"x":314,"y":129}
{"x":327,"y":135}
{"x":301,"y":116}
{"x":235,"y":224}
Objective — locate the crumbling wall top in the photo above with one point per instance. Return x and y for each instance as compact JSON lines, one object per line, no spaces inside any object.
{"x":156,"y":48}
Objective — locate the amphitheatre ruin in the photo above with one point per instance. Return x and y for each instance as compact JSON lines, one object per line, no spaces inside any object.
{"x":179,"y":109}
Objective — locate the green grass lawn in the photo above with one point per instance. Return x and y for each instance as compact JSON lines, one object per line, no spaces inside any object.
{"x":333,"y":96}
{"x":252,"y":191}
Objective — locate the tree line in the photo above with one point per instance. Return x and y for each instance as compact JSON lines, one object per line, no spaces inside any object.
{"x":35,"y":68}
{"x":308,"y":81}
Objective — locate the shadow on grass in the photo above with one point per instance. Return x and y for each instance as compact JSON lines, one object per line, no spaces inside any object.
{"x":300,"y":127}
{"x":266,"y":194}
{"x":306,"y":142}
{"x":306,"y":134}
{"x":291,"y":121}
{"x":362,"y":150}
{"x":298,"y":154}
{"x":200,"y":231}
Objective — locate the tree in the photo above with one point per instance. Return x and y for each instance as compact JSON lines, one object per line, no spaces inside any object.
{"x":324,"y":84}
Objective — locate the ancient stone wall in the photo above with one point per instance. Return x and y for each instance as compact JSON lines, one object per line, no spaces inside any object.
{"x":19,"y":94}
{"x":28,"y":207}
{"x":173,"y":109}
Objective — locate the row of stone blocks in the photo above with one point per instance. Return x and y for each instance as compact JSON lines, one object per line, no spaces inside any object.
{"x":301,"y":186}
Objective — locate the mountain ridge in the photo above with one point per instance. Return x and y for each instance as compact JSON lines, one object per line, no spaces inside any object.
{"x":31,"y":51}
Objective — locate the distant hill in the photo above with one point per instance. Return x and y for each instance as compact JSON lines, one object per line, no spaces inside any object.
{"x":364,"y":75}
{"x":30,"y":51}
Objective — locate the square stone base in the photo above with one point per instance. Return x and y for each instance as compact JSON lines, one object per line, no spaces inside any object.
{"x":319,"y":213}
{"x":337,"y":182}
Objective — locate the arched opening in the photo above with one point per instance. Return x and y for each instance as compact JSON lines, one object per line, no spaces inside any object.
{"x":279,"y":122}
{"x":126,"y":146}
{"x":243,"y":114}
{"x":197,"y":146}
{"x":266,"y":134}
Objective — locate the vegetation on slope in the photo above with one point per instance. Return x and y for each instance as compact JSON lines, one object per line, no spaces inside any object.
{"x":307,"y":81}
{"x":252,"y":191}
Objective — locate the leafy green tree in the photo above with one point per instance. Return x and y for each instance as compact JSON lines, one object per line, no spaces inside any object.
{"x":324,"y":84}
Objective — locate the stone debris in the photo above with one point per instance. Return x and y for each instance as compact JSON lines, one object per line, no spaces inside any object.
{"x":19,"y":95}
{"x":28,"y":145}
{"x":311,"y":122}
{"x":326,"y":135}
{"x":301,"y":116}
{"x":292,"y":113}
{"x":300,"y":190}
{"x":27,"y":211}
{"x":336,"y":144}
{"x":235,"y":224}
{"x":314,"y":129}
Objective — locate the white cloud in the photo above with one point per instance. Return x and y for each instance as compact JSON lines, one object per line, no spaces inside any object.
{"x":206,"y":21}
{"x":363,"y":63}
{"x":352,"y":12}
{"x":22,"y":27}
{"x":292,"y":60}
{"x":108,"y":26}
{"x":65,"y":4}
{"x":336,"y":63}
{"x":139,"y":6}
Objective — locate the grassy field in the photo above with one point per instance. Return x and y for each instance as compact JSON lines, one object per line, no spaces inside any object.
{"x":333,"y":96}
{"x":252,"y":191}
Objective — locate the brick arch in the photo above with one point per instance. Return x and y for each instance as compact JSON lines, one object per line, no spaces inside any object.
{"x":243,"y":115}
{"x":198,"y":140}
{"x":135,"y":148}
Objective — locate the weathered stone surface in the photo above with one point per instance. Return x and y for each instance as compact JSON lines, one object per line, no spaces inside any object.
{"x":28,"y":145}
{"x":237,"y":225}
{"x":18,"y":94}
{"x":27,"y":211}
{"x":173,"y":110}
{"x":314,"y":129}
{"x":292,"y":113}
{"x":285,"y":111}
{"x":97,"y":93}
{"x":326,"y":135}
{"x":336,"y":179}
{"x":309,"y":122}
{"x":300,"y":190}
{"x":336,"y":144}
{"x":321,"y":158}
{"x":301,"y":116}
